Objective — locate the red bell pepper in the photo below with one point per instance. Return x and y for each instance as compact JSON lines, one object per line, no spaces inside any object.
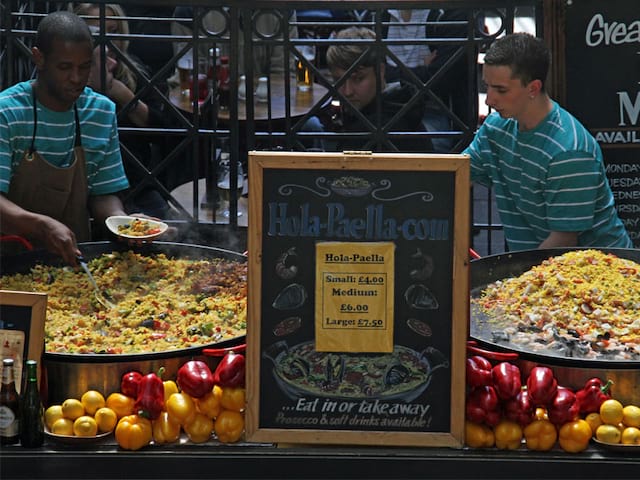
{"x":506,"y":380}
{"x":150,"y":399}
{"x":129,"y":383}
{"x":591,"y":396}
{"x":519,"y":408}
{"x":195,"y":378}
{"x":542,"y":386}
{"x":564,"y":407}
{"x":478,"y":371}
{"x":230,"y":372}
{"x":483,"y":406}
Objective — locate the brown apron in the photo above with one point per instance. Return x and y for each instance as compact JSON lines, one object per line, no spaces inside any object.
{"x":61,"y":193}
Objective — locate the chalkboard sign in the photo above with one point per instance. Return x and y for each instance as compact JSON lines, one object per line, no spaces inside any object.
{"x":358,"y":298}
{"x":602,"y":75}
{"x":22,"y":317}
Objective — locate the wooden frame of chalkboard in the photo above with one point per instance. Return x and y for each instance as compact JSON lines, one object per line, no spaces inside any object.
{"x":300,"y":203}
{"x":26,"y":312}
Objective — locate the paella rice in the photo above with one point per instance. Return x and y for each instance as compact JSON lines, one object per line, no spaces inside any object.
{"x":584,"y":303}
{"x":161,"y":303}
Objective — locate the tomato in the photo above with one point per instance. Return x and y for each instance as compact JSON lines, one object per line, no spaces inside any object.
{"x":181,"y":408}
{"x":594,"y":421}
{"x":133,"y":432}
{"x":574,"y":436}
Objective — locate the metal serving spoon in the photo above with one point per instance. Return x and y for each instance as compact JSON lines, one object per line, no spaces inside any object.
{"x":98,"y":294}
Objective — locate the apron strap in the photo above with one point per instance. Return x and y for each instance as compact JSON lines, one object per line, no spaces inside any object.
{"x":32,"y":147}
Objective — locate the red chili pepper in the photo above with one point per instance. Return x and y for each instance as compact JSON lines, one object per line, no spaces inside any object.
{"x":519,"y":408}
{"x":591,"y":396}
{"x":230,"y":371}
{"x":195,"y":378}
{"x":129,"y":383}
{"x":564,"y":407}
{"x":478,"y":371}
{"x":542,"y":386}
{"x":483,"y":405}
{"x":150,"y":399}
{"x":506,"y":380}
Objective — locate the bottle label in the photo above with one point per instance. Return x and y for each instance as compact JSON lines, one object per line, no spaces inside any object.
{"x":8,"y":422}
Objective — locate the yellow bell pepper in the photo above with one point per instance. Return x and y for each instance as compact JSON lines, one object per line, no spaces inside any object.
{"x":233,"y":398}
{"x":477,"y":435}
{"x":210,"y":403}
{"x":540,"y":435}
{"x":170,"y":387}
{"x":574,"y":436}
{"x":165,"y":429}
{"x":199,"y":428}
{"x":229,"y":426}
{"x":508,"y":435}
{"x":181,"y":408}
{"x":133,"y":432}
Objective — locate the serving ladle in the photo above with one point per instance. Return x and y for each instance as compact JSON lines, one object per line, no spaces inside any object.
{"x":96,"y":291}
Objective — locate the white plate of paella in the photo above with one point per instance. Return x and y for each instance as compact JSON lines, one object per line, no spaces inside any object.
{"x":136,"y":228}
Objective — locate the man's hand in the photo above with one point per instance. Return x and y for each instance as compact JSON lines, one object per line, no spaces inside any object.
{"x":59,"y":239}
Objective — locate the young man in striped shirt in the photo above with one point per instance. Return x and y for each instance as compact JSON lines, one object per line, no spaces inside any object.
{"x":545,"y":168}
{"x":60,"y":160}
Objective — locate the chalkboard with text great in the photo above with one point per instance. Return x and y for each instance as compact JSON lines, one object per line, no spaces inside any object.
{"x":350,"y":247}
{"x":603,"y":91}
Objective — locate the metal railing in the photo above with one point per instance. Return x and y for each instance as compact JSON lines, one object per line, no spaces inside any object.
{"x":185,"y":145}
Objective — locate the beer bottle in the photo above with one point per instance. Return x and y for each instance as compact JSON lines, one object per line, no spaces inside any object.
{"x":31,"y":410}
{"x":9,"y":406}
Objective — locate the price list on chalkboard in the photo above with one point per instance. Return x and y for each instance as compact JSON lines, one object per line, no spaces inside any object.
{"x":354,"y":297}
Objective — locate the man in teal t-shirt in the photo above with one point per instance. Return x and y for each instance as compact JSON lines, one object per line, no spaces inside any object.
{"x":545,"y":168}
{"x":60,"y":161}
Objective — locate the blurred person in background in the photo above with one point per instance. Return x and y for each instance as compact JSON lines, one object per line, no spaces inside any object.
{"x":143,"y":110}
{"x":60,"y":161}
{"x":359,"y":98}
{"x":544,"y":166}
{"x":425,"y":60}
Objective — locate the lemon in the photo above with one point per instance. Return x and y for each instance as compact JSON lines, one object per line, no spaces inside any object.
{"x":106,"y":419}
{"x":92,"y":400}
{"x":62,"y":426}
{"x":51,"y":414}
{"x":630,"y":436}
{"x":631,"y":416}
{"x":85,"y":426}
{"x":611,"y":412}
{"x":608,"y":433}
{"x":72,"y":408}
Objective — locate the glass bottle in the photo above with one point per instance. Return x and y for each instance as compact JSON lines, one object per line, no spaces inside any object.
{"x":9,"y":406}
{"x":31,"y":410}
